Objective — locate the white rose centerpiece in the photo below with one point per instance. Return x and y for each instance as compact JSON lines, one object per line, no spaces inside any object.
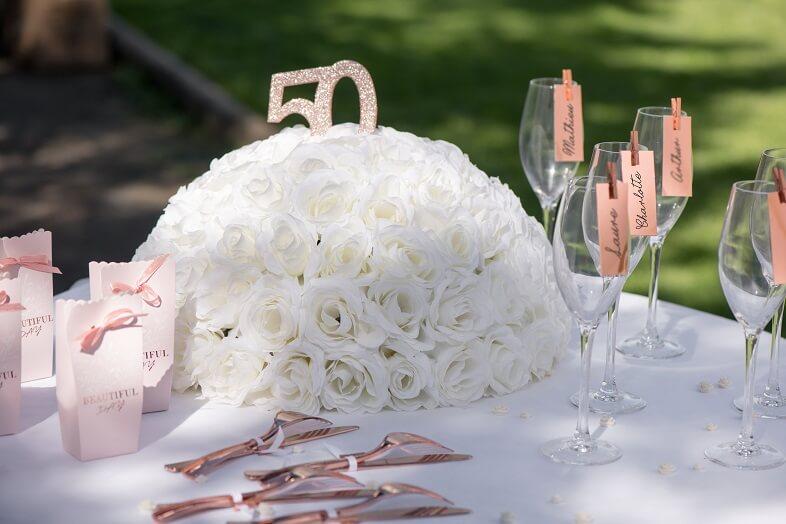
{"x":357,"y":271}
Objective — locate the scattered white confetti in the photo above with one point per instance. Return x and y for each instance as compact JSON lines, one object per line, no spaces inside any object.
{"x":711,"y":426}
{"x":698,"y":467}
{"x":507,"y":517}
{"x":607,"y":421}
{"x":666,"y":468}
{"x":582,"y":517}
{"x":724,"y":382}
{"x":705,"y":387}
{"x":500,"y":409}
{"x":525,"y":415}
{"x":556,"y":499}
{"x":146,"y":507}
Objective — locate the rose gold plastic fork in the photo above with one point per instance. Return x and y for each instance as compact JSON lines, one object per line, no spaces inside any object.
{"x":396,"y":449}
{"x":288,"y":429}
{"x":390,"y":502}
{"x":303,"y":484}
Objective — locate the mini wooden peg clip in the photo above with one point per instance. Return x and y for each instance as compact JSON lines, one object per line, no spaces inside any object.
{"x":567,"y":79}
{"x":634,"y":148}
{"x":676,"y":112}
{"x":778,"y":174}
{"x":611,"y":173}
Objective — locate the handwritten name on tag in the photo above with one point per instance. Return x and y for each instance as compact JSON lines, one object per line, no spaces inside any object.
{"x":613,"y":233}
{"x":568,"y":124}
{"x":777,"y":212}
{"x":642,"y":198}
{"x":677,"y":158}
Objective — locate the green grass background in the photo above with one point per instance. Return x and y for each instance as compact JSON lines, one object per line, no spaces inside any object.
{"x":458,"y":70}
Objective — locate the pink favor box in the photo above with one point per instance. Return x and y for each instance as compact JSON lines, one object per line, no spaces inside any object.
{"x":36,"y":287}
{"x":10,"y":359}
{"x":99,"y":391}
{"x":153,"y":281}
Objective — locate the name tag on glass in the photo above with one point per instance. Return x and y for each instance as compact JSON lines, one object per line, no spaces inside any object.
{"x":677,"y":158}
{"x":642,"y":200}
{"x":568,"y":124}
{"x":777,"y":212}
{"x":613,"y":234}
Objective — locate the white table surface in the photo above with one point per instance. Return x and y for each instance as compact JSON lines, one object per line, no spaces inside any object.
{"x":39,"y":482}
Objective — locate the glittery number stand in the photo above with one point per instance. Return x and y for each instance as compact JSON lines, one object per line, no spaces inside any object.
{"x":319,"y":112}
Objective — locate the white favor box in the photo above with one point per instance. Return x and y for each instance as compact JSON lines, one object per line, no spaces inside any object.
{"x":99,"y":392}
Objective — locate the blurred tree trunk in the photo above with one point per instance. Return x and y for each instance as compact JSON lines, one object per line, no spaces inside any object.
{"x":57,"y":34}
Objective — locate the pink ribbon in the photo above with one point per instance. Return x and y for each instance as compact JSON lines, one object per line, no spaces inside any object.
{"x":35,"y":262}
{"x":117,"y":319}
{"x":142,"y":288}
{"x":7,"y":305}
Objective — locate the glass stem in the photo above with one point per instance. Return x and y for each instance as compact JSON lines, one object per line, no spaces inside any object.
{"x":656,"y":246}
{"x":773,"y":388}
{"x":548,"y":220}
{"x":609,"y":385}
{"x":745,"y":440}
{"x":587,"y":333}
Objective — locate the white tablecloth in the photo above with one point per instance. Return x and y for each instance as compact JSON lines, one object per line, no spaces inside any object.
{"x":39,"y":482}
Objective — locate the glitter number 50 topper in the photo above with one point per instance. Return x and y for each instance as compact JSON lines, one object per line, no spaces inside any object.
{"x":319,"y":112}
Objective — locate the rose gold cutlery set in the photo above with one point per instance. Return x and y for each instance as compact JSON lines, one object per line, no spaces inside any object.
{"x":321,"y":480}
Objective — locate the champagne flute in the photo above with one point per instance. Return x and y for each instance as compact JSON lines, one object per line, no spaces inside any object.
{"x":745,"y":270}
{"x":648,"y":344}
{"x":770,"y":403}
{"x":546,"y":176}
{"x":609,"y":398}
{"x":588,"y":295}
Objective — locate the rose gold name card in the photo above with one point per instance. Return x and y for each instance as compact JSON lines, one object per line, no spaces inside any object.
{"x":153,"y":281}
{"x":10,"y":356}
{"x":613,"y":232}
{"x":776,"y":204}
{"x":99,"y":376}
{"x":568,"y":120}
{"x":677,"y":153}
{"x":642,"y":188}
{"x":29,"y":257}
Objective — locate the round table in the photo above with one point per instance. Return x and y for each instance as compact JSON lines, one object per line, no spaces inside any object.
{"x":42,"y":483}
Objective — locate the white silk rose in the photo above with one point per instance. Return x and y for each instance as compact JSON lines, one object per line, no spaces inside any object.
{"x":410,"y":376}
{"x":296,"y":377}
{"x":342,"y":251}
{"x":269,"y":317}
{"x":356,"y":272}
{"x":356,"y":381}
{"x":400,"y":307}
{"x":231,"y":371}
{"x":334,"y":314}
{"x":286,"y":244}
{"x":462,"y":373}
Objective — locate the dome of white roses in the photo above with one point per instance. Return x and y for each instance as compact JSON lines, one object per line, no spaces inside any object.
{"x":356,"y":272}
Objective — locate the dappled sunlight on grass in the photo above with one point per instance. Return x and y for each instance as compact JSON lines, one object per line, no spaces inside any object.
{"x":458,"y":71}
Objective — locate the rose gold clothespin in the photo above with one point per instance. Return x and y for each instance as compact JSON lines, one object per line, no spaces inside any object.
{"x":567,"y":79}
{"x":676,"y":112}
{"x":778,"y":174}
{"x":611,"y":172}
{"x":634,"y":148}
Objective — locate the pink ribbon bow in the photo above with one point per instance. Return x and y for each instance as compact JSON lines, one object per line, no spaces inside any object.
{"x":117,"y":319}
{"x":7,"y":305}
{"x":142,"y":288}
{"x":35,"y":262}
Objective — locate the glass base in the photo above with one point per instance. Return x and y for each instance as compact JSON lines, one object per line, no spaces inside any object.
{"x":649,"y":345}
{"x":579,"y":452}
{"x":734,"y":455}
{"x":611,"y":404}
{"x":765,"y":406}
